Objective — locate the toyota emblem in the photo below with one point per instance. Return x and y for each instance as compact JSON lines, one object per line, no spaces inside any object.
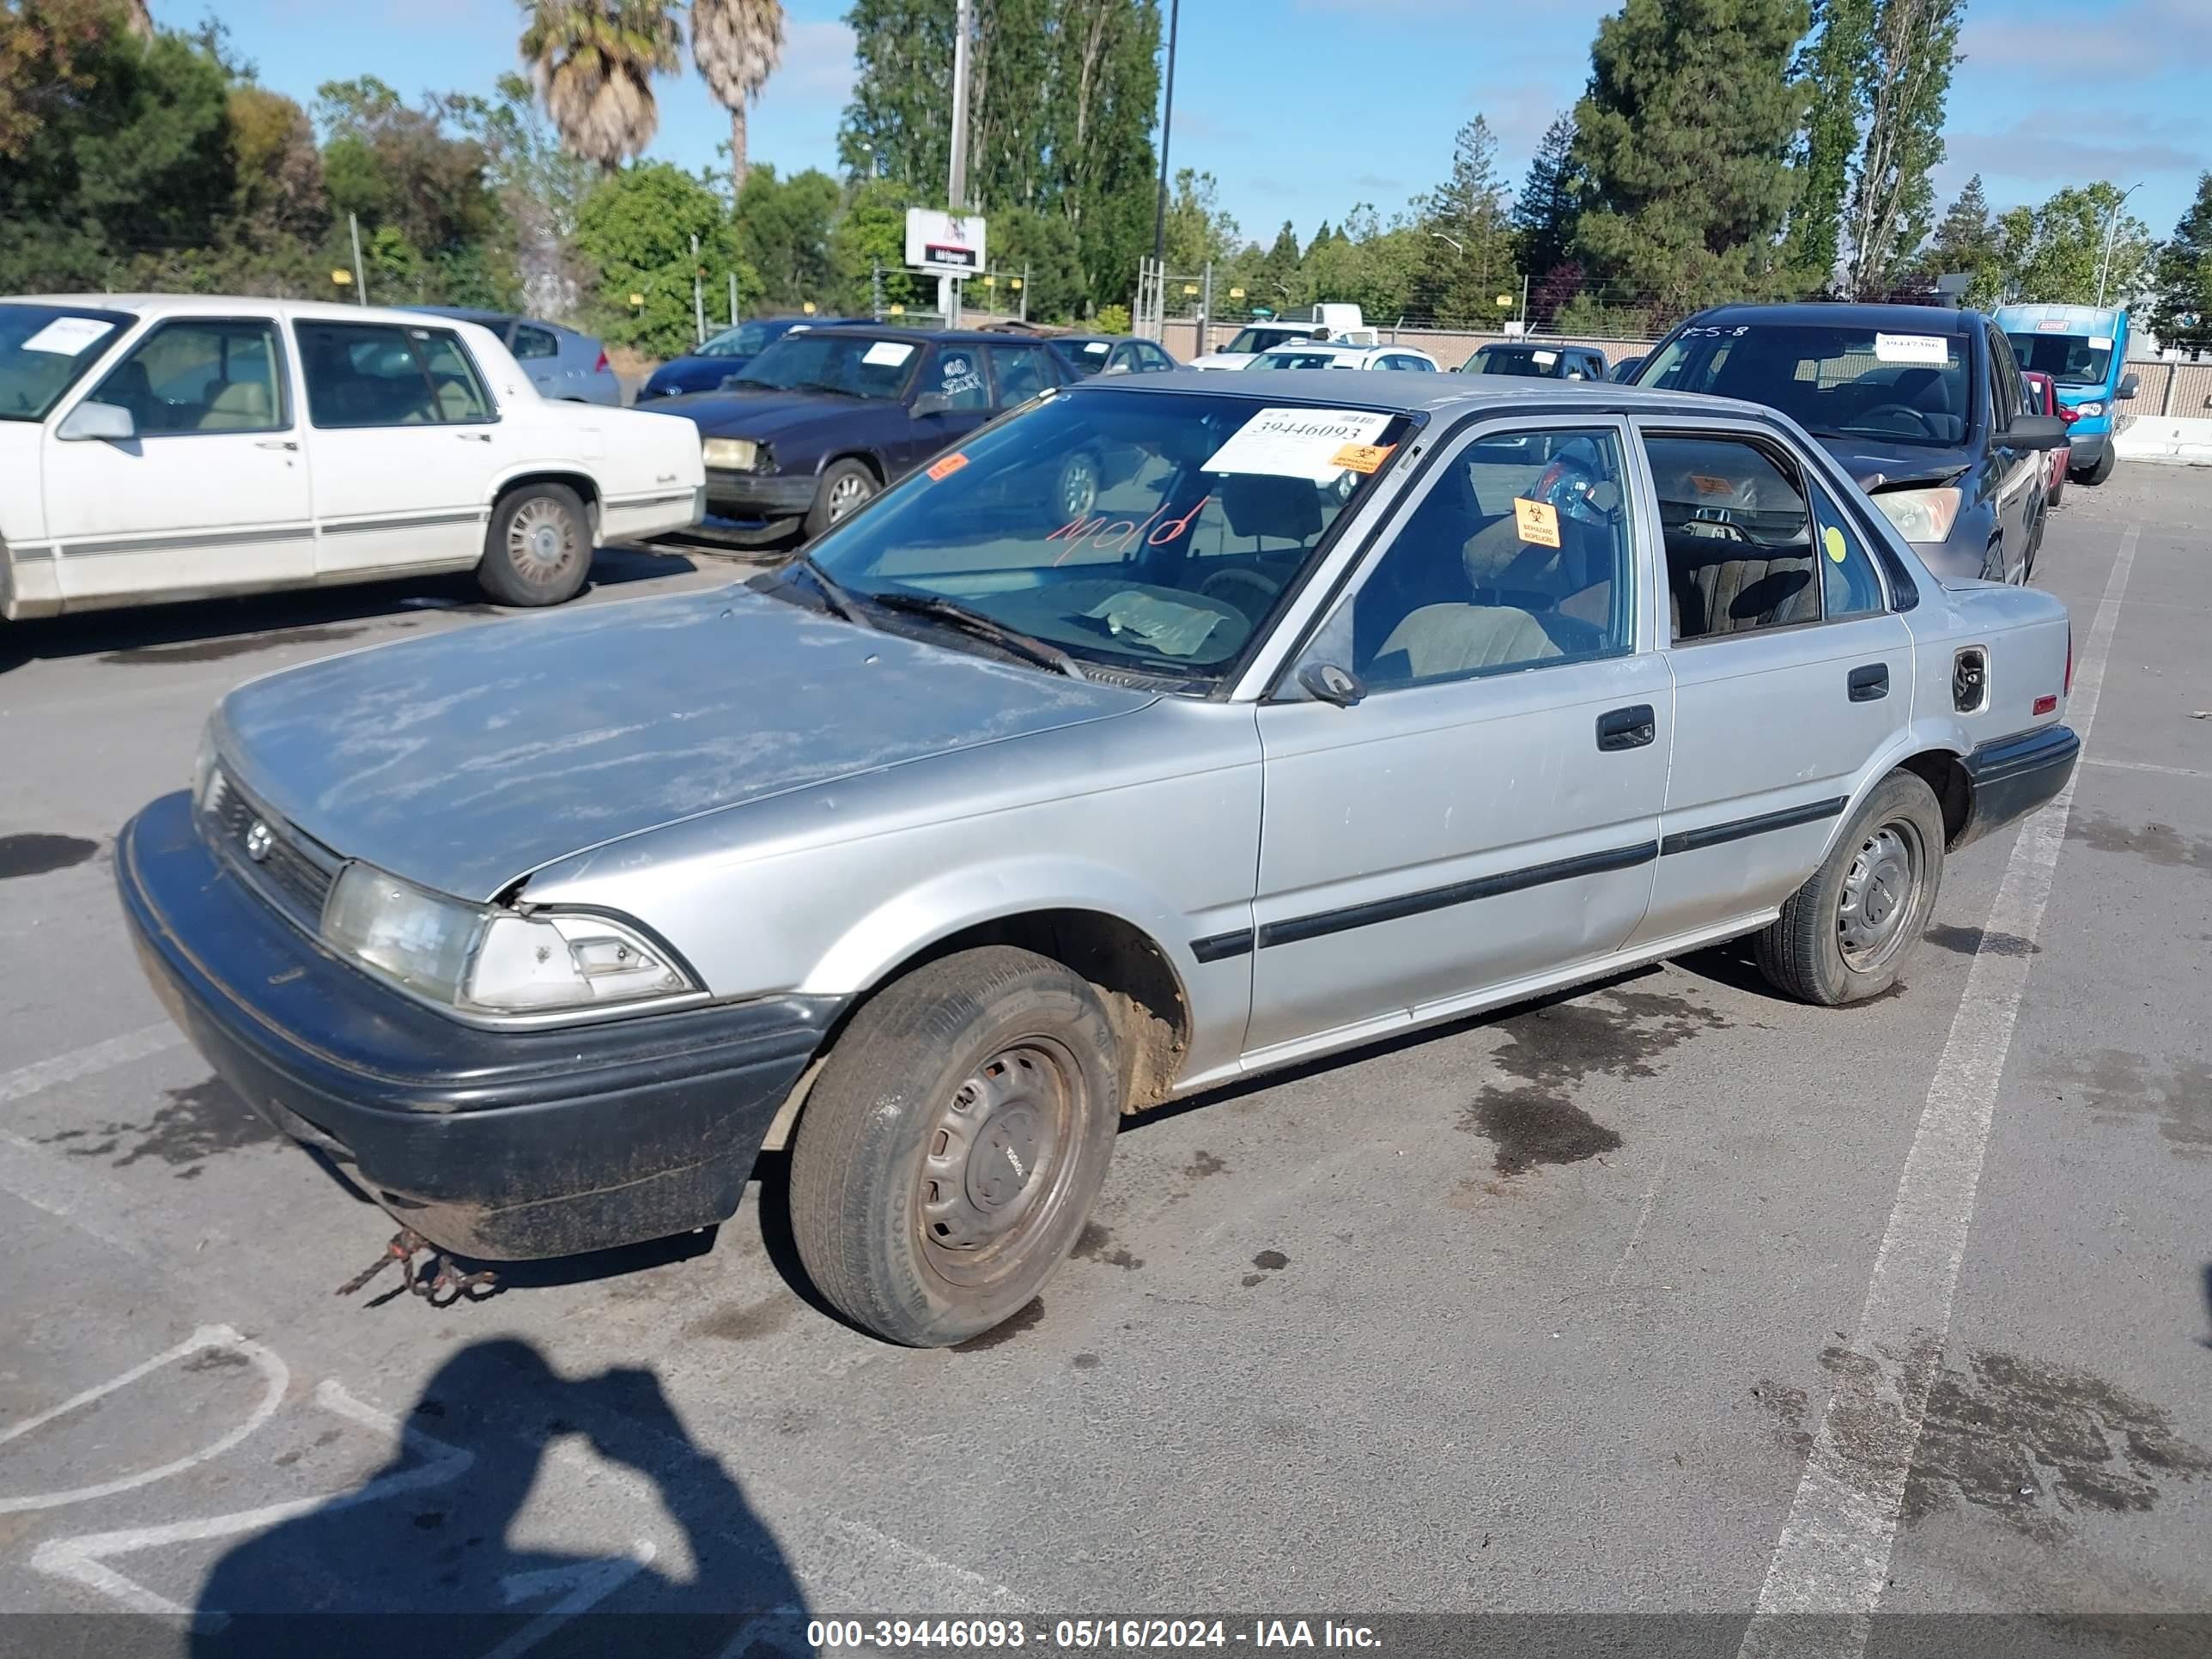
{"x":259,"y":840}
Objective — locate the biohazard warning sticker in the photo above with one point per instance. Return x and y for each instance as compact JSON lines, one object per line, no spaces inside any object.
{"x":1536,"y":521}
{"x":1361,"y":457}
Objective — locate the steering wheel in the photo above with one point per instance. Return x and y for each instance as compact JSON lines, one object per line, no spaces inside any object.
{"x":1926,"y":425}
{"x":1227,"y":585}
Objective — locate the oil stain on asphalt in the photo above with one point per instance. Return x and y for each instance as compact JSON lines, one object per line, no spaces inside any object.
{"x":1977,"y":941}
{"x":1026,"y":1319}
{"x":200,"y":1120}
{"x":221,"y":650}
{"x":2119,"y":1088}
{"x":1532,"y":1120}
{"x":1096,"y":1243}
{"x":2158,"y":843}
{"x":742,"y":1323}
{"x":35,"y":854}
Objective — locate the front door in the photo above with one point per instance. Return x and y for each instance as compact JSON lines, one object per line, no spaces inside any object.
{"x":406,"y":441}
{"x":1790,"y":674}
{"x":1487,"y":810}
{"x":958,"y":389}
{"x":211,"y":493}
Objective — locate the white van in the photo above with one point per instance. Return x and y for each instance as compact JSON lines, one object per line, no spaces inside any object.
{"x":158,"y":448}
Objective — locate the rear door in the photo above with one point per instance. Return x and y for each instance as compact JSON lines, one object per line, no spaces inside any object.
{"x":1791,"y":673}
{"x":211,"y":495}
{"x":2015,"y":474}
{"x":405,"y":442}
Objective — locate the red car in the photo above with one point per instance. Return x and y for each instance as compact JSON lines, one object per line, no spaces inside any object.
{"x":2042,"y":399}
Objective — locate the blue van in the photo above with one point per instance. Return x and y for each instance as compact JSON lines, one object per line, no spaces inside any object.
{"x":2084,"y":350}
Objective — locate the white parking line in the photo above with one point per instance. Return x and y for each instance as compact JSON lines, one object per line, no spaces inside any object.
{"x":1832,"y":1558}
{"x":2146,"y":766}
{"x":27,"y":1080}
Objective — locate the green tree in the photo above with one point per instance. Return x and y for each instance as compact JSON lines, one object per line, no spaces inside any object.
{"x":636,"y":229}
{"x":1048,"y":248}
{"x":1277,"y":277}
{"x":1835,"y":68}
{"x":2182,"y":315}
{"x":1965,"y":243}
{"x":1903,"y":83}
{"x":783,"y":233}
{"x":1685,"y":135}
{"x":594,"y":62}
{"x":868,"y":249}
{"x":1199,"y":230}
{"x":2052,"y":254}
{"x":1469,"y":249}
{"x":1549,"y":206}
{"x":50,"y":54}
{"x":540,"y":188}
{"x":279,"y":197}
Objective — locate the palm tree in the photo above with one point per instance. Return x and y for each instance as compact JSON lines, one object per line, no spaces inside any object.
{"x":139,"y":19}
{"x":737,"y":45}
{"x":594,"y":61}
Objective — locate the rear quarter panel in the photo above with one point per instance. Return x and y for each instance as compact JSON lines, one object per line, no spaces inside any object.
{"x":2026,"y":634}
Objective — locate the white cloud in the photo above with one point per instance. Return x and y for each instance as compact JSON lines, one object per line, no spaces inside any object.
{"x":2036,"y":150}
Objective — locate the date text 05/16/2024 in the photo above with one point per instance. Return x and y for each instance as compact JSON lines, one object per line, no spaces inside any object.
{"x":1082,"y":1634}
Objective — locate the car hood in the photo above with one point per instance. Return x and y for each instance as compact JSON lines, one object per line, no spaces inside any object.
{"x":1874,"y":464}
{"x":769,"y":416}
{"x":465,"y":761}
{"x":1223,"y":359}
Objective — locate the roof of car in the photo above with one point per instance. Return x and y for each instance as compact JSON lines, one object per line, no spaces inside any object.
{"x":219,"y":305}
{"x":1919,"y":319}
{"x":1426,"y":394}
{"x":942,"y":335}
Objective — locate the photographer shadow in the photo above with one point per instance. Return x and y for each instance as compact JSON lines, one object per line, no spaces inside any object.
{"x":425,"y":1568}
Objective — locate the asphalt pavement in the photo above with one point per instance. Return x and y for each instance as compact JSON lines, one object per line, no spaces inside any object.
{"x":1583,"y":1309}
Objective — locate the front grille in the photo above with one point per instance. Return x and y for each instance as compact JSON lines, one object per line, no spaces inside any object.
{"x":292,"y":872}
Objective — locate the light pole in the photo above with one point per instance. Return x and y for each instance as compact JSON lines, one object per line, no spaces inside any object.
{"x":2111,"y":225}
{"x":1453,"y":241}
{"x":1167,"y":119}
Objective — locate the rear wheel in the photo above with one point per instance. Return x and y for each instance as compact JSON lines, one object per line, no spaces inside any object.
{"x":844,"y":487}
{"x":952,"y":1146}
{"x":537,"y":549}
{"x":1846,"y":934}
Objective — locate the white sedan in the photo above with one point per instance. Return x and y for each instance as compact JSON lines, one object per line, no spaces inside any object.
{"x":1329,"y":355}
{"x":170,"y":447}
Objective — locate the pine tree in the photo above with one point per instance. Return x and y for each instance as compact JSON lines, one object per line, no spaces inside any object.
{"x":1834,"y":65}
{"x":2182,"y":315}
{"x":1685,"y":134}
{"x":1470,"y":251}
{"x":1550,"y":201}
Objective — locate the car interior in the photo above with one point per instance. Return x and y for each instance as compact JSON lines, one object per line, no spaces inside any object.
{"x":1843,"y":386}
{"x":364,"y":376}
{"x":1738,"y":535}
{"x":192,"y":378}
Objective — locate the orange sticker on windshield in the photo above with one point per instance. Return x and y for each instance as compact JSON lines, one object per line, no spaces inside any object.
{"x":1361,"y":457}
{"x":945,"y":466}
{"x":1706,"y":484}
{"x":1537,"y":521}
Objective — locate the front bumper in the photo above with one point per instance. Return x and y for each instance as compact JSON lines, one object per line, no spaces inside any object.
{"x":756,"y":496}
{"x":2010,"y":777}
{"x":501,"y":1145}
{"x":2086,"y":449}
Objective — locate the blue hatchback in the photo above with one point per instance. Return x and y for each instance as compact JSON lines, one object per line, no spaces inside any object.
{"x":725,"y":354}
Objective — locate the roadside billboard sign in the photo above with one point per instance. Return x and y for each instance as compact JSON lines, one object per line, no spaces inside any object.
{"x":948,"y":244}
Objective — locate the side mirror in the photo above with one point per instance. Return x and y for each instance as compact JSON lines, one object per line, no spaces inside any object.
{"x":932,"y":403}
{"x":2128,"y":386}
{"x":2037,"y":432}
{"x":1329,"y":683}
{"x":109,"y":422}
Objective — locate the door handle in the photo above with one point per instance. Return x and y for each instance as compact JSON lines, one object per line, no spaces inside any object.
{"x":1627,"y":728}
{"x":474,"y":437}
{"x":276,"y":443}
{"x":1869,"y":683}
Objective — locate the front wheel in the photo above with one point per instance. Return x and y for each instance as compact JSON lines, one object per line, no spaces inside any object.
{"x":1845,"y":935}
{"x":537,"y":549}
{"x":2103,"y":469}
{"x":951,"y":1148}
{"x":843,"y":489}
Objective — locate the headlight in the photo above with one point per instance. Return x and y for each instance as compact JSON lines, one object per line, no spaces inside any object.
{"x":2089,"y":409}
{"x":204,"y":767}
{"x":1921,"y":515}
{"x":729,"y":454}
{"x":481,"y":959}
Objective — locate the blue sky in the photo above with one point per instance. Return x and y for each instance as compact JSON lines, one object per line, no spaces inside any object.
{"x":1331,"y":102}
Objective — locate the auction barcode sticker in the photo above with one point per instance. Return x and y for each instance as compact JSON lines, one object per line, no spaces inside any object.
{"x":1912,"y":349}
{"x":1297,"y":443}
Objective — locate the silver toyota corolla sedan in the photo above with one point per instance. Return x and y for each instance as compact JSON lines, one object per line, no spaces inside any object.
{"x":1361,"y":702}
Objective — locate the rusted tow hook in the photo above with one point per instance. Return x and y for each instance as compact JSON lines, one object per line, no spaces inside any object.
{"x":439,"y":1283}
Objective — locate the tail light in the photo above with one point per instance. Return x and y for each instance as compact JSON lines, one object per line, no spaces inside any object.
{"x":600,"y":368}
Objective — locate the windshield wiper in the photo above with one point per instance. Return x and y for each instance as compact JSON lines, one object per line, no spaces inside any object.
{"x":834,"y":598}
{"x":983,"y":627}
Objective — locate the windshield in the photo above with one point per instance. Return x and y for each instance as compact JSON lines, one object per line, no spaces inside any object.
{"x":2069,"y":359}
{"x":745,"y":340}
{"x":1833,"y":380}
{"x":1288,"y":359}
{"x":1259,"y":339}
{"x":43,"y":351}
{"x":1530,"y":365}
{"x":1164,"y":555}
{"x":857,"y":365}
{"x":1085,"y":356}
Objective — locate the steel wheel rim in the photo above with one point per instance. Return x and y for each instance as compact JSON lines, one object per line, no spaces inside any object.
{"x":1881,"y":890}
{"x":996,"y":1158}
{"x":540,"y":540}
{"x":1078,"y":487}
{"x":847,"y":493}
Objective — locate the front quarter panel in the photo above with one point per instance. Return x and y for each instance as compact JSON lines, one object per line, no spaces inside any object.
{"x":1152,"y":818}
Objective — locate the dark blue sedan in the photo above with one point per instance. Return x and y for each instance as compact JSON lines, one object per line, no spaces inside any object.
{"x":725,"y":354}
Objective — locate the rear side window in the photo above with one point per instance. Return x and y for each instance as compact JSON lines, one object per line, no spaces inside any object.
{"x":1739,"y":537}
{"x":1023,"y":371}
{"x":958,"y":377}
{"x":362,"y":375}
{"x":1849,"y":585}
{"x":531,"y":343}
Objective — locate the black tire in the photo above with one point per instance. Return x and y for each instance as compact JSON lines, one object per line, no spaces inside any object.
{"x":917,"y":1221}
{"x":2103,"y":469}
{"x":845,"y":486}
{"x":1807,"y":951}
{"x":538,"y":548}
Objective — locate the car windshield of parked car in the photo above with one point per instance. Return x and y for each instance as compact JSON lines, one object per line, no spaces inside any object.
{"x":1085,"y":356}
{"x":820,"y":360}
{"x":2069,"y":359}
{"x":43,"y":351}
{"x":1150,"y":533}
{"x":745,"y":340}
{"x":1262,"y":339}
{"x":1539,"y":365}
{"x":1834,"y":380}
{"x":1287,"y":358}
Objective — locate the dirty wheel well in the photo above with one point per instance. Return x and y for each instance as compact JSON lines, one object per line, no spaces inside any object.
{"x":1941,"y":771}
{"x":1140,"y":987}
